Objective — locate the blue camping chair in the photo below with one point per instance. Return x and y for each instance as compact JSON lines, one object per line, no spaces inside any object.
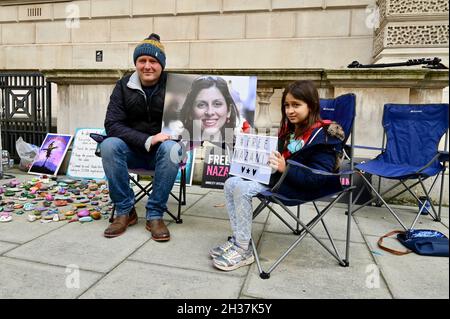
{"x":341,"y":110}
{"x":413,"y":133}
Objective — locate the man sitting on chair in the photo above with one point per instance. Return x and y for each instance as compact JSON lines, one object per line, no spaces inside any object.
{"x":133,"y":125}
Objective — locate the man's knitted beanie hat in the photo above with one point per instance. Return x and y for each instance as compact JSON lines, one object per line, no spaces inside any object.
{"x":151,"y":46}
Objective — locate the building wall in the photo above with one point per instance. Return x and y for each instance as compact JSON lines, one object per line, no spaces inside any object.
{"x":411,"y":29}
{"x":216,"y":34}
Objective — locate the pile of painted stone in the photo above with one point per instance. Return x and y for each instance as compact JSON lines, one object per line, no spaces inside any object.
{"x":53,"y":200}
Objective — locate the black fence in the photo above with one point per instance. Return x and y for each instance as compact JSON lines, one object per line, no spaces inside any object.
{"x":25,"y":109}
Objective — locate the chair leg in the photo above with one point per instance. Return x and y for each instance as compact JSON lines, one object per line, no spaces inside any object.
{"x":143,"y":191}
{"x":111,"y":219}
{"x":262,"y":273}
{"x":178,"y":198}
{"x":177,"y":220}
{"x":375,"y":198}
{"x":401,"y":192}
{"x":349,"y":223}
{"x":306,"y":229}
{"x":383,"y":201}
{"x":433,"y":214}
{"x":357,"y":196}
{"x":407,"y":188}
{"x":181,"y":197}
{"x":182,"y":191}
{"x":441,"y":192}
{"x":427,"y":194}
{"x":327,"y":231}
{"x":183,"y":186}
{"x":281,"y":219}
{"x":297,"y":228}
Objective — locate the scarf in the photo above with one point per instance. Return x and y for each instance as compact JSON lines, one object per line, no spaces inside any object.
{"x":296,"y":144}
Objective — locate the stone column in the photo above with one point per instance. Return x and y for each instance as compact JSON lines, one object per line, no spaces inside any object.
{"x":263,"y":123}
{"x":411,"y":29}
{"x":83,"y":96}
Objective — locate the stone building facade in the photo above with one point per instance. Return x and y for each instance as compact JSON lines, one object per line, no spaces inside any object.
{"x":221,"y":34}
{"x":216,"y":34}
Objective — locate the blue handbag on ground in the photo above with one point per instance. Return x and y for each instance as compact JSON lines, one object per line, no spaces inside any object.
{"x":424,"y":242}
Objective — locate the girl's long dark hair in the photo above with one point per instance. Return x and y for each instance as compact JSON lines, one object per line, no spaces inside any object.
{"x":206,"y":82}
{"x":307,"y":92}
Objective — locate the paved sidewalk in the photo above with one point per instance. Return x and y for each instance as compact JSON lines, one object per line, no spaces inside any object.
{"x":44,"y":260}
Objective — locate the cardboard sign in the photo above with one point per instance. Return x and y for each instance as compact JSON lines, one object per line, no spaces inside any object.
{"x":83,"y":161}
{"x":216,"y":167}
{"x":251,"y":157}
{"x":51,"y":154}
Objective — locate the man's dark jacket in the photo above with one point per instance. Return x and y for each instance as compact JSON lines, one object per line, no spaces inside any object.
{"x":131,"y":115}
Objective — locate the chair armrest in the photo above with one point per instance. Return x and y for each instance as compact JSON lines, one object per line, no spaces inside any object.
{"x":318,"y":171}
{"x":435,"y":157}
{"x":367,"y":147}
{"x":443,"y":156}
{"x":348,"y":147}
{"x":292,"y":163}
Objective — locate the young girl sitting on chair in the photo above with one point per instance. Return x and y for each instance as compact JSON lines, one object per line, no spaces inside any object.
{"x":303,"y":138}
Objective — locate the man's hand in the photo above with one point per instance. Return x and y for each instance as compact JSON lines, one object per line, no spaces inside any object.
{"x":277,"y":162}
{"x":159,"y":138}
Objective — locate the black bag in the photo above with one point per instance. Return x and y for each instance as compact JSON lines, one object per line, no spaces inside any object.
{"x":98,"y":138}
{"x":426,"y":242}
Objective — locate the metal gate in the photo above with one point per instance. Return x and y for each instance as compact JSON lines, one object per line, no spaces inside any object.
{"x":25,"y":109}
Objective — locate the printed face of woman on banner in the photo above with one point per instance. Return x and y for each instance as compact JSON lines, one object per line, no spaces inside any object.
{"x":209,"y":109}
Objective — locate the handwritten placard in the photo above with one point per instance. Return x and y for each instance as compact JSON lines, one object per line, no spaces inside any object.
{"x":251,"y":157}
{"x":83,"y":161}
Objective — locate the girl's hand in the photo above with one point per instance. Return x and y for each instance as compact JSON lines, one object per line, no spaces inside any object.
{"x":159,"y":138}
{"x":277,"y":162}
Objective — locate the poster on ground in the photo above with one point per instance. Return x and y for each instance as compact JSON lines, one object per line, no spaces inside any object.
{"x":251,"y":157}
{"x":51,"y":154}
{"x":83,"y":161}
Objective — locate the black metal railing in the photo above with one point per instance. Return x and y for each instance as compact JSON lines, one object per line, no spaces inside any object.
{"x":429,"y":63}
{"x":25,"y":109}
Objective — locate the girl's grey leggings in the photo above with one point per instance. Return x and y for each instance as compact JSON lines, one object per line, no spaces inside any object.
{"x":238,"y":196}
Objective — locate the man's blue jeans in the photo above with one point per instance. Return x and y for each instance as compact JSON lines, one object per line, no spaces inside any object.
{"x":163,"y":158}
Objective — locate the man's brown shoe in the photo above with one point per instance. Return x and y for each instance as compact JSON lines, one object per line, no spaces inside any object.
{"x":120,"y":224}
{"x":158,"y":229}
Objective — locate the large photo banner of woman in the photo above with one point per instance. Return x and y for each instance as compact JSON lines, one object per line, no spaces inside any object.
{"x":208,"y":107}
